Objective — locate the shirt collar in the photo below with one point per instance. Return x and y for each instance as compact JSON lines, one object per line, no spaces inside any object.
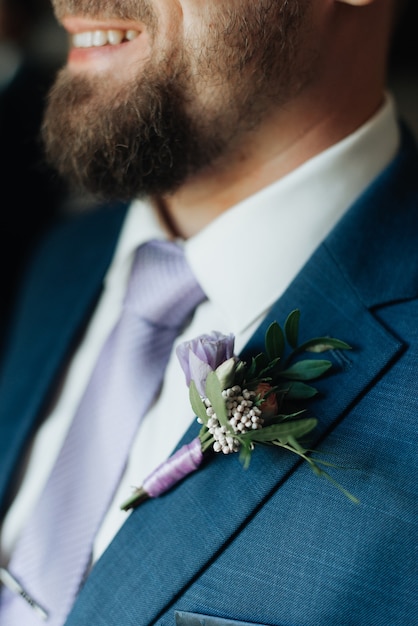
{"x":246,"y":257}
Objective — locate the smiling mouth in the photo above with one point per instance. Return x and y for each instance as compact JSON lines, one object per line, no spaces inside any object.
{"x":100,"y":38}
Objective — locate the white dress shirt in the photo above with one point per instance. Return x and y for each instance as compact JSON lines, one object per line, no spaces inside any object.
{"x":244,"y":260}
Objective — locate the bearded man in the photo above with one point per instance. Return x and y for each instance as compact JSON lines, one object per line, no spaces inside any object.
{"x":252,"y":169}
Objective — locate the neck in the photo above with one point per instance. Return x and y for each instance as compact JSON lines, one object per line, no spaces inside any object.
{"x":277,"y":147}
{"x":343,"y":87}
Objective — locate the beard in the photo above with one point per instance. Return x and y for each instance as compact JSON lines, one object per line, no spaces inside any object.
{"x":144,"y":144}
{"x":150,"y":135}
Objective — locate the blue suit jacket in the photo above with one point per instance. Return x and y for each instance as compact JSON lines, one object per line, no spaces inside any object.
{"x":273,"y":544}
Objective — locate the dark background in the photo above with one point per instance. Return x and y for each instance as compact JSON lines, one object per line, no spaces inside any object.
{"x":403,"y":74}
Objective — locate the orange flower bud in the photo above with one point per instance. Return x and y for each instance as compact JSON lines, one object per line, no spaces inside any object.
{"x":269,"y":406}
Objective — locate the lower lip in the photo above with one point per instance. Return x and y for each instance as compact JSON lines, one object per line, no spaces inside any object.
{"x":80,"y":55}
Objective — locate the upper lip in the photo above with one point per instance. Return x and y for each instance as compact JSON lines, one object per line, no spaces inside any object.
{"x":76,"y":24}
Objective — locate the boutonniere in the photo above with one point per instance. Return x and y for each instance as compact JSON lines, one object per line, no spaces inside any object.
{"x":241,"y":405}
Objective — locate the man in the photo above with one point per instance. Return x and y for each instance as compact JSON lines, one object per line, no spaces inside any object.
{"x":260,"y":136}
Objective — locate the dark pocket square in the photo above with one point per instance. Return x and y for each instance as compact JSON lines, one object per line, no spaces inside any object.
{"x":184,"y":618}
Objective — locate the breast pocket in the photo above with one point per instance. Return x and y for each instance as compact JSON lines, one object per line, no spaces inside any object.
{"x":183,"y":618}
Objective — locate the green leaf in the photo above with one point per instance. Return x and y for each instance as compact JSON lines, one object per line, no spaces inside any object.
{"x":291,"y":328}
{"x":322,"y":344}
{"x":197,"y":403}
{"x":300,"y":391}
{"x":269,"y":368}
{"x":306,"y":369}
{"x":282,"y":431}
{"x":274,"y":342}
{"x":245,"y":453}
{"x":320,"y":472}
{"x":328,"y":343}
{"x":261,"y":361}
{"x":292,"y":442}
{"x":204,"y":434}
{"x":251,"y":371}
{"x":214,"y":393}
{"x":283,"y":417}
{"x":259,"y":364}
{"x":297,"y":429}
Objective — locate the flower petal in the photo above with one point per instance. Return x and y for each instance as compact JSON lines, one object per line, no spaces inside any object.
{"x":210,"y":349}
{"x":199,"y":371}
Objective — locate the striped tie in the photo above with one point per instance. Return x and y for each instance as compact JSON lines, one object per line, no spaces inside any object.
{"x":53,"y":555}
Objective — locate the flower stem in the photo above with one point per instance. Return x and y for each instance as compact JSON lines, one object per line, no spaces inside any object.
{"x":138,"y":496}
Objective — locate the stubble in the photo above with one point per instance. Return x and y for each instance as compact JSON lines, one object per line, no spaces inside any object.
{"x":190,"y":107}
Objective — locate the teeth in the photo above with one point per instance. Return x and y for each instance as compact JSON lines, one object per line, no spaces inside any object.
{"x":131,"y":35}
{"x":99,"y":38}
{"x":115,"y":37}
{"x":83,"y":40}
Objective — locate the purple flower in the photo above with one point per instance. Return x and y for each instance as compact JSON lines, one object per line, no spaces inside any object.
{"x":203,"y":355}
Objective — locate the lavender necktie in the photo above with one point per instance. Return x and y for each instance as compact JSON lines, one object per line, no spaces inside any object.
{"x":54,"y":552}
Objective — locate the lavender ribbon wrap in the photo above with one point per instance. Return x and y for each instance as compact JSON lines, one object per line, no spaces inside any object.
{"x":178,"y":466}
{"x":198,"y":358}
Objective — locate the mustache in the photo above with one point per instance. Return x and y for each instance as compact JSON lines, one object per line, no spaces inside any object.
{"x":135,"y":10}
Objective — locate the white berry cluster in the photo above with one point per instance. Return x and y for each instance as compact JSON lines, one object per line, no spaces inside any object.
{"x":243,"y":416}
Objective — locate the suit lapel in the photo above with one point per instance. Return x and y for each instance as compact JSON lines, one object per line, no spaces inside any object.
{"x":167,"y":542}
{"x":45,"y":333}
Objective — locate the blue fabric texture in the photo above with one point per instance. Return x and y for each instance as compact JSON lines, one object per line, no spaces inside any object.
{"x":274,"y":544}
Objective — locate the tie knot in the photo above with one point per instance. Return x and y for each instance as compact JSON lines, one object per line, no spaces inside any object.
{"x":162,"y":288}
